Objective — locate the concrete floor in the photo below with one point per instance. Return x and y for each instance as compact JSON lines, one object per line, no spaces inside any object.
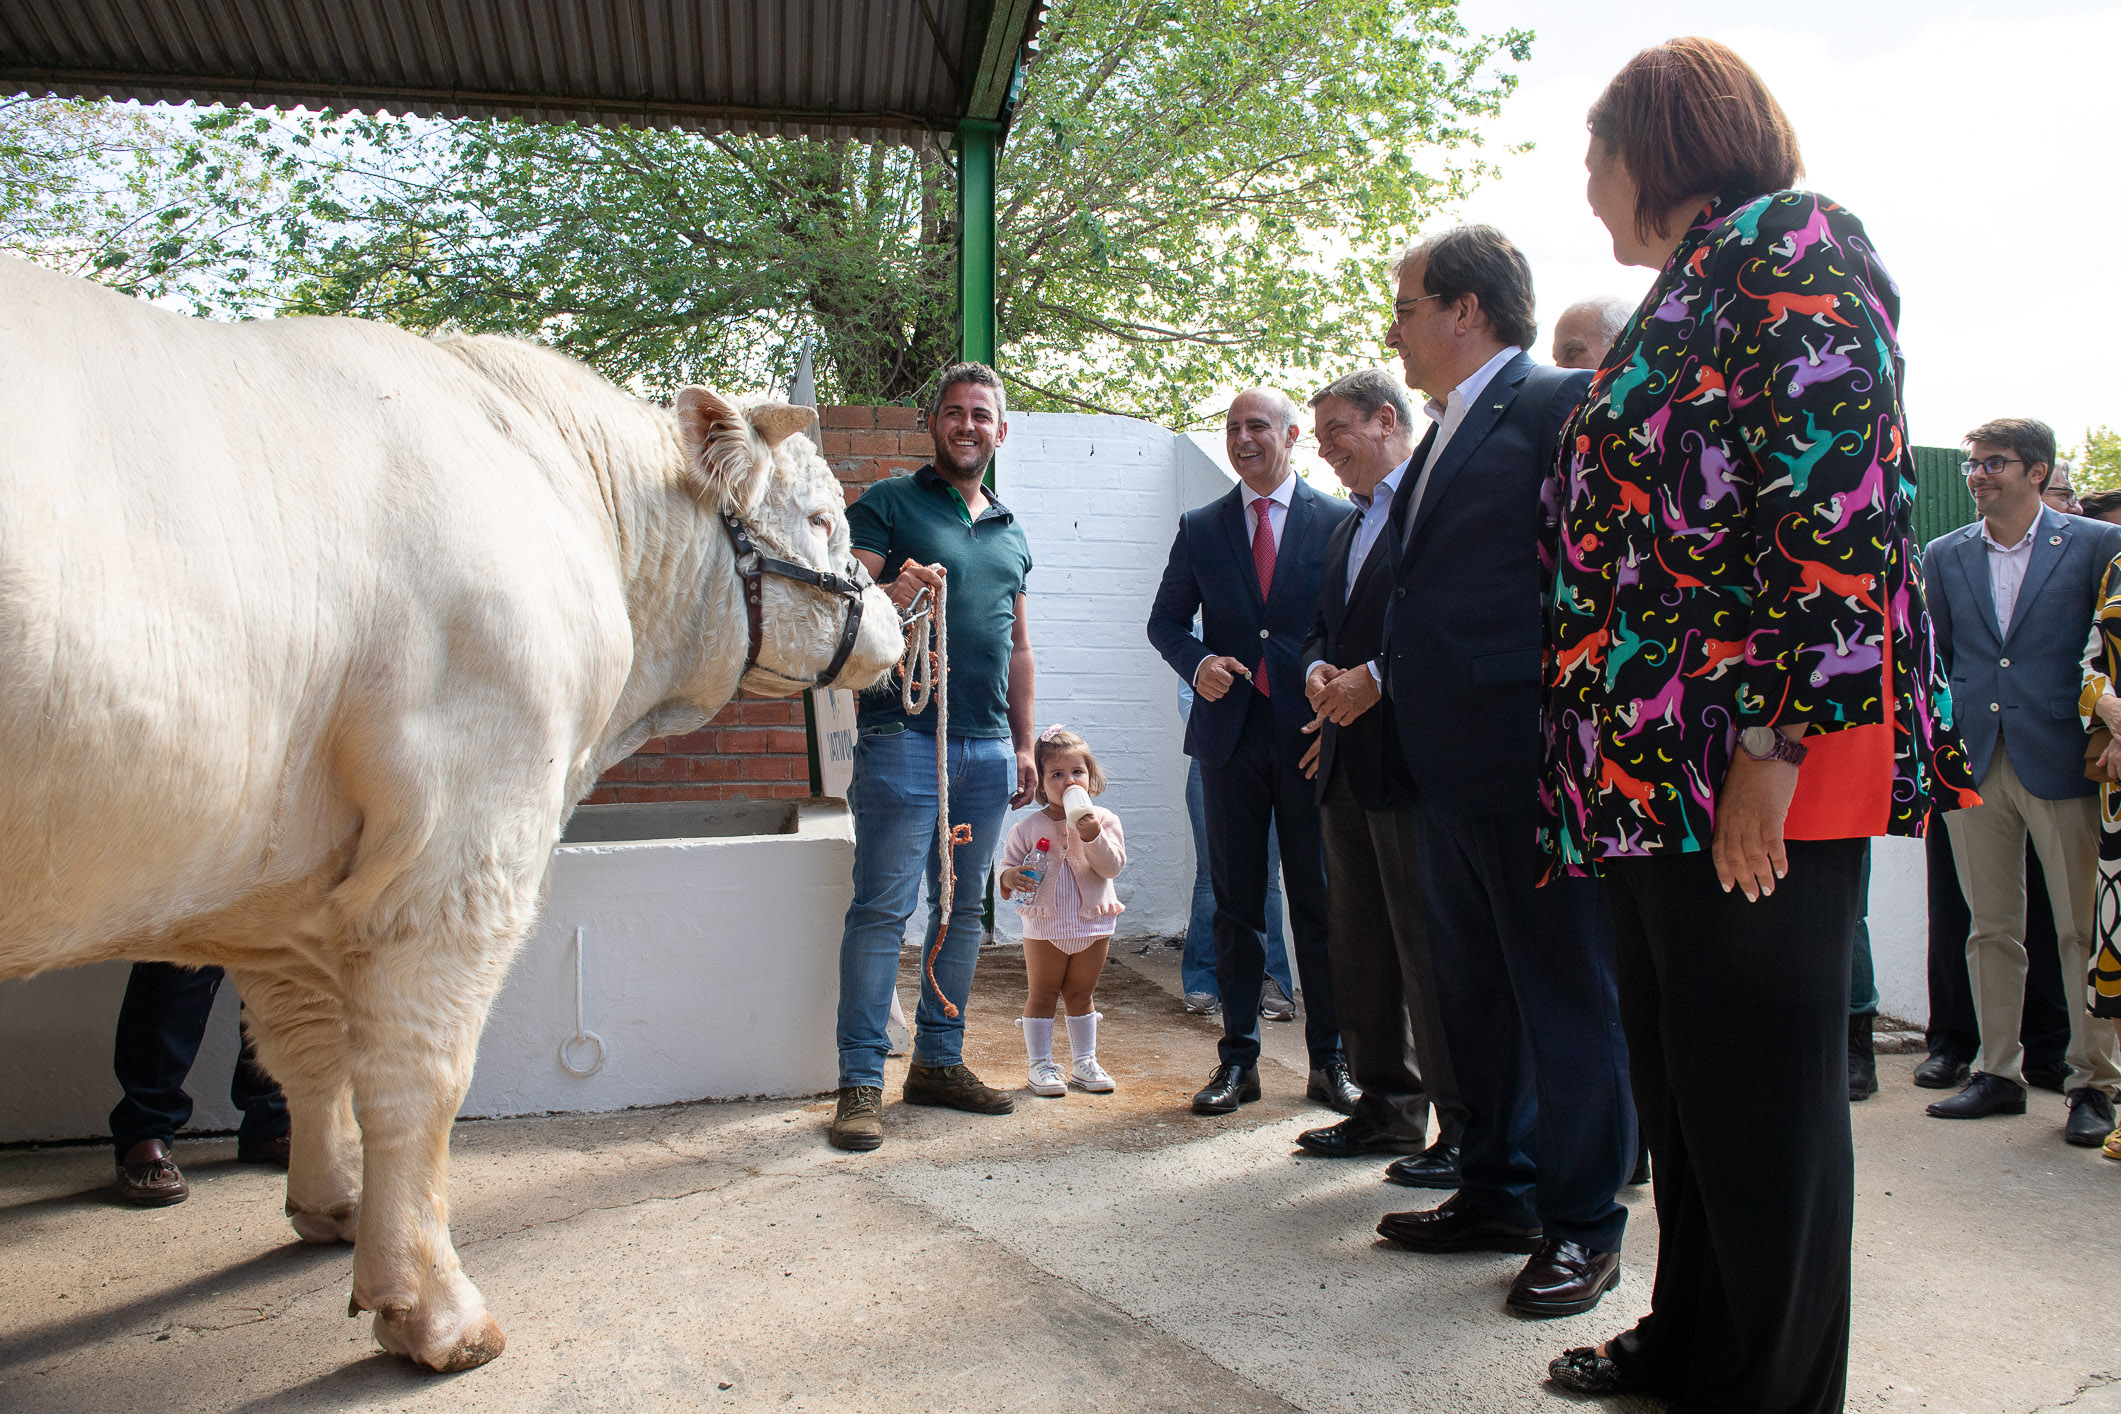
{"x":1092,"y":1253}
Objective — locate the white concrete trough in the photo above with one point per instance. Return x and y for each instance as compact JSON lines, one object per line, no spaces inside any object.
{"x":709,"y":969}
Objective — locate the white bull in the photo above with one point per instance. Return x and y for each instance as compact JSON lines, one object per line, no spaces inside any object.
{"x":312,"y":632}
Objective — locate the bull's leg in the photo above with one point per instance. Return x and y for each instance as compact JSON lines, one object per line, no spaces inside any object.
{"x":299,"y":1029}
{"x":414,"y":1011}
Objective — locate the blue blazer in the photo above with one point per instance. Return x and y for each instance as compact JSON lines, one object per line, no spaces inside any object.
{"x":1465,"y":632}
{"x":1210,"y":571}
{"x":2021,"y":686}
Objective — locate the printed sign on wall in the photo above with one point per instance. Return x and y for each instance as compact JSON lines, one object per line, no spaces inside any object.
{"x":832,"y":710}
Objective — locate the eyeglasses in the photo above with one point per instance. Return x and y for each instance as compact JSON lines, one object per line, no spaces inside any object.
{"x":1992,"y":465}
{"x":1401,"y":308}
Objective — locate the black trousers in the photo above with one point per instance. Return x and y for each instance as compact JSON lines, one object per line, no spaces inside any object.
{"x":1525,"y":982}
{"x":1737,"y":1022}
{"x":1384,"y":984}
{"x":1259,"y":786}
{"x":160,"y":1025}
{"x":1953,"y":1030}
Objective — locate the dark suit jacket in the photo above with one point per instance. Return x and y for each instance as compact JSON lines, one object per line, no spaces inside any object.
{"x":2022,"y":687}
{"x":1464,"y":633}
{"x":1350,"y":631}
{"x":1210,"y":570}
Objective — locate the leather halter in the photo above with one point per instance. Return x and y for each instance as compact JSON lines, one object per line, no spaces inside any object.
{"x":754,"y":564}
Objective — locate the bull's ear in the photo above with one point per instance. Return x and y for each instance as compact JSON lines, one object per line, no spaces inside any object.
{"x":777,"y":422}
{"x":723,"y":461}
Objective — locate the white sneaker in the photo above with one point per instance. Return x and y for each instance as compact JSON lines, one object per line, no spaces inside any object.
{"x":1091,"y":1076}
{"x":1046,"y":1079}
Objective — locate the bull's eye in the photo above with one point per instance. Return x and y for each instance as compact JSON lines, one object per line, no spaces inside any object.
{"x":822,"y":520}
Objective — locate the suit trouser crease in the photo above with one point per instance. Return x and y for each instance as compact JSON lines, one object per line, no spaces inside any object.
{"x":1525,"y":984}
{"x":1241,"y":798}
{"x":1952,"y":1030}
{"x":1737,"y":1018}
{"x":1384,"y":984}
{"x":1988,"y":842}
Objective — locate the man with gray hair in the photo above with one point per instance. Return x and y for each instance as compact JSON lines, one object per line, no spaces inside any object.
{"x":1384,"y":987}
{"x":1248,"y":564}
{"x":1587,"y":329}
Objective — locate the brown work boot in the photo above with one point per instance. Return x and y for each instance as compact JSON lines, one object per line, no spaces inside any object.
{"x":858,"y":1122}
{"x":149,"y":1178}
{"x":955,"y":1086}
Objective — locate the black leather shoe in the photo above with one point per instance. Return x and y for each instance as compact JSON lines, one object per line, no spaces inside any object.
{"x":1332,"y":1086}
{"x":1352,"y":1138}
{"x":1434,"y":1167}
{"x":1229,"y":1087}
{"x":1863,"y":1059}
{"x":2054,"y":1076}
{"x":2091,"y":1117}
{"x":1563,"y":1279}
{"x":1984,"y":1095}
{"x":1940,"y":1072}
{"x":1450,"y":1227}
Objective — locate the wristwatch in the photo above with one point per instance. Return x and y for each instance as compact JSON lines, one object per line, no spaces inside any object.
{"x":1768,"y":744}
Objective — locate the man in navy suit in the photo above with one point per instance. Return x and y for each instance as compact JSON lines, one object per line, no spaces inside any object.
{"x":2012,"y":596}
{"x":1249,"y":563}
{"x":1524,"y":971}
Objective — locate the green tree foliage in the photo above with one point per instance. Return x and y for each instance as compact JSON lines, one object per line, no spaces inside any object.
{"x":1195,"y":194}
{"x":146,"y":202}
{"x":2097,"y":465}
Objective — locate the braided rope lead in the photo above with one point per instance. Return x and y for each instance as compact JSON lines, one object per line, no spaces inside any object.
{"x":925,"y":672}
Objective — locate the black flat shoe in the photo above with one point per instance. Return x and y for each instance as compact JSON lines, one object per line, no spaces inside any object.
{"x":1352,"y":1138}
{"x":1563,"y":1279}
{"x":1229,"y":1087}
{"x":1585,"y":1371}
{"x":1434,"y":1167}
{"x":1940,"y":1072}
{"x":2091,"y":1117}
{"x":1451,"y":1227}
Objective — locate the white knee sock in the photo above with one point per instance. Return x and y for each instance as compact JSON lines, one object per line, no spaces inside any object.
{"x":1082,"y":1036}
{"x":1038,"y":1036}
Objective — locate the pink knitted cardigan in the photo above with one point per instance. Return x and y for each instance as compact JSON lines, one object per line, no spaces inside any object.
{"x":1096,"y":862}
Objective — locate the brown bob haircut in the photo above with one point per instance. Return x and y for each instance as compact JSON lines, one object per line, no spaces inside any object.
{"x":1690,"y":118}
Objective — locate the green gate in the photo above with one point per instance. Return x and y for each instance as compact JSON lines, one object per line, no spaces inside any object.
{"x":1941,"y":499}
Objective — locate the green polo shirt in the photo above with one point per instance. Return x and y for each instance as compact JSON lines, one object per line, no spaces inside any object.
{"x":922,"y":518}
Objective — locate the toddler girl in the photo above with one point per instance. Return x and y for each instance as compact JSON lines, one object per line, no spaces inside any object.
{"x":1069,"y":912}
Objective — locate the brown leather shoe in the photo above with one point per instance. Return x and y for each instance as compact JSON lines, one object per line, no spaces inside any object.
{"x":149,"y":1178}
{"x":1452,"y":1227}
{"x":270,"y":1152}
{"x":954,"y":1086}
{"x":1563,"y":1279}
{"x":858,"y":1119}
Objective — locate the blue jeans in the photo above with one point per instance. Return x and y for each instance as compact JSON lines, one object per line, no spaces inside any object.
{"x":1197,"y":963}
{"x":893,"y":802}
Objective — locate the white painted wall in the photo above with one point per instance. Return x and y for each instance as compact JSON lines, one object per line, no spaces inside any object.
{"x":1899,"y":922}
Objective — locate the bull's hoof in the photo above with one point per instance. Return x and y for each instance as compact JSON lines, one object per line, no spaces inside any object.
{"x":477,"y":1342}
{"x":323,"y":1229}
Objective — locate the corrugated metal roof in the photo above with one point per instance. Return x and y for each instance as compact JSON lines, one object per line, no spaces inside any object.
{"x":879,"y":70}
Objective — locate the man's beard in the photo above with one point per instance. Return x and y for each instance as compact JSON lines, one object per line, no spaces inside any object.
{"x":948,"y":459}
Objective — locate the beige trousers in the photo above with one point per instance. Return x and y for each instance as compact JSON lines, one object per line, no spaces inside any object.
{"x":1989,"y":843}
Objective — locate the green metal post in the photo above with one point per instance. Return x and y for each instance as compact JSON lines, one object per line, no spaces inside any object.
{"x":977,"y":141}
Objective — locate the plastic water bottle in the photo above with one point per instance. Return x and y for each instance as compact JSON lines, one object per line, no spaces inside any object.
{"x":1034,"y":865}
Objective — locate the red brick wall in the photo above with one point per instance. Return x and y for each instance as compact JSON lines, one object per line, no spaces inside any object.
{"x":755,"y":748}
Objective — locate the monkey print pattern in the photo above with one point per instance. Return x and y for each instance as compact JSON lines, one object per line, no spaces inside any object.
{"x":1731,"y":541}
{"x":2102,"y":671}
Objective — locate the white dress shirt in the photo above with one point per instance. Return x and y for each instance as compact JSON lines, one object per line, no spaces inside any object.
{"x":1371,"y":513}
{"x":1449,"y":414}
{"x":2006,"y":573}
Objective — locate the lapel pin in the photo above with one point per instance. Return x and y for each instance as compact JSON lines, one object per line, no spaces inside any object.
{"x":2054,"y":540}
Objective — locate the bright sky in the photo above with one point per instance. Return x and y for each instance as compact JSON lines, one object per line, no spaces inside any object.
{"x":1978,"y":143}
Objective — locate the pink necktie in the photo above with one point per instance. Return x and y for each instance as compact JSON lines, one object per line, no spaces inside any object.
{"x":1263,"y":565}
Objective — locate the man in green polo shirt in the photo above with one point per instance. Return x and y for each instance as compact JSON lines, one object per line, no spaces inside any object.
{"x":911,"y":532}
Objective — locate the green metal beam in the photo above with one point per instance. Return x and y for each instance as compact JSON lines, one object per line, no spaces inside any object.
{"x":977,"y":143}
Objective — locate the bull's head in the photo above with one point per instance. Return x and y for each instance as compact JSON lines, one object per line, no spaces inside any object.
{"x":745,"y":460}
